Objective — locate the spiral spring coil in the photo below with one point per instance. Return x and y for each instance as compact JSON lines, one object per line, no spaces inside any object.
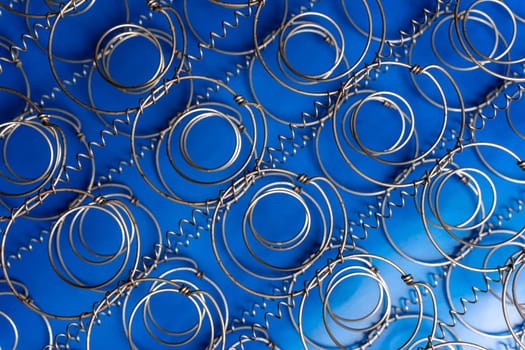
{"x":356,"y":181}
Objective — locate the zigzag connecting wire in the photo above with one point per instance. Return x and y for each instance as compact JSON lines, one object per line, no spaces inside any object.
{"x":129,"y":163}
{"x":237,"y":15}
{"x":15,"y":50}
{"x":27,"y":248}
{"x":238,"y":70}
{"x":508,"y":213}
{"x":247,"y":314}
{"x":456,"y":314}
{"x":299,"y":137}
{"x":278,"y":155}
{"x":76,"y":76}
{"x":491,"y":111}
{"x":417,"y":26}
{"x":277,"y":314}
{"x":188,"y":229}
{"x":75,"y":329}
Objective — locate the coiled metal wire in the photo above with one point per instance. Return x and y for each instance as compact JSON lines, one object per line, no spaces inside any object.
{"x":247,"y":174}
